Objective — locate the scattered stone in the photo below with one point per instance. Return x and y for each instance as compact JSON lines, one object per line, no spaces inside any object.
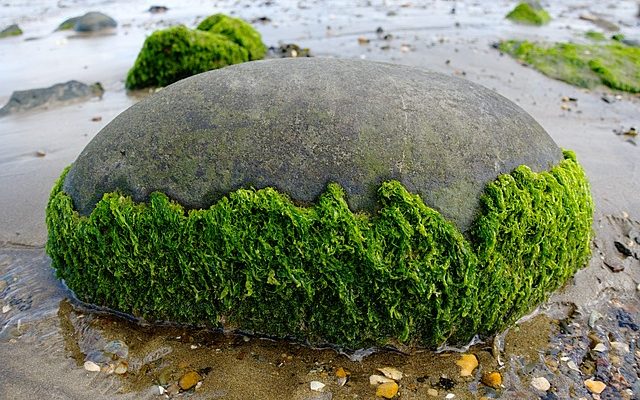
{"x":387,"y":390}
{"x":40,"y":153}
{"x":622,"y":248}
{"x":595,"y":386}
{"x":91,"y":366}
{"x":450,"y":396}
{"x":172,"y":389}
{"x":118,"y":348}
{"x":342,"y":375}
{"x":492,"y":379}
{"x":11,"y":30}
{"x":261,"y":20}
{"x":432,"y":392}
{"x":316,"y":386}
{"x":6,"y":308}
{"x":96,"y":119}
{"x":572,"y":365}
{"x":363,"y":40}
{"x":600,"y":348}
{"x":289,"y":50}
{"x":24,"y":100}
{"x":391,"y":373}
{"x":405,"y":48}
{"x":189,"y":380}
{"x":161,"y":390}
{"x":620,"y":347}
{"x":541,"y":383}
{"x":467,"y":363}
{"x":379,"y":379}
{"x":121,"y":368}
{"x":601,"y":22}
{"x":158,"y":9}
{"x":93,"y":22}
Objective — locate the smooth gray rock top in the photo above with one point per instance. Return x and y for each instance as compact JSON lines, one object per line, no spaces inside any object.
{"x":298,"y":124}
{"x":60,"y":93}
{"x":92,"y":21}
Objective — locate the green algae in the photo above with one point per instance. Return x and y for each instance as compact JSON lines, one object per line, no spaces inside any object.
{"x":12,"y":30}
{"x":237,"y":31}
{"x":178,"y":52}
{"x":595,"y":36}
{"x":613,"y":64}
{"x":526,"y":13}
{"x":257,"y":262}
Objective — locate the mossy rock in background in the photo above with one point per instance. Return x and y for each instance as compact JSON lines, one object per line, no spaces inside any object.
{"x":178,"y":52}
{"x":11,"y":30}
{"x":238,"y":31}
{"x":349,"y":202}
{"x":530,"y":13}
{"x":613,"y":64}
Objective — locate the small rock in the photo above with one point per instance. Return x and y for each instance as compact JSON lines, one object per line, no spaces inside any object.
{"x":6,"y":308}
{"x":121,"y":368}
{"x":161,"y":390}
{"x":342,"y":375}
{"x":391,"y":373}
{"x":117,"y":348}
{"x":158,"y":9}
{"x":316,"y":386}
{"x":405,"y":48}
{"x":363,"y":40}
{"x":432,"y":392}
{"x":96,"y":119}
{"x":172,"y":389}
{"x":492,"y":379}
{"x":387,"y":390}
{"x":467,"y":363}
{"x":450,"y":396}
{"x":541,"y":383}
{"x":600,"y":348}
{"x":94,"y":22}
{"x":620,"y":347}
{"x":189,"y":380}
{"x":40,"y":153}
{"x":572,"y":365}
{"x":91,"y":366}
{"x":11,"y":30}
{"x":622,"y":248}
{"x":595,"y":386}
{"x":23,"y":100}
{"x":379,"y":379}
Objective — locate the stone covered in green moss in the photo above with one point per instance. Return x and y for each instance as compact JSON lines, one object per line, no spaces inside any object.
{"x":595,"y":36}
{"x":238,"y":31}
{"x":257,"y":262}
{"x":178,"y":52}
{"x":614,"y":64}
{"x":529,"y":13}
{"x":11,"y":30}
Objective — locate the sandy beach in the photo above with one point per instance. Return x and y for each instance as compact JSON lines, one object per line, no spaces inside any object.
{"x":46,"y":335}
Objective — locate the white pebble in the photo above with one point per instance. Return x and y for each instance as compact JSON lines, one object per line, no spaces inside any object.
{"x":317,"y":386}
{"x":600,"y":348}
{"x":6,"y":309}
{"x":161,"y":390}
{"x":91,"y":366}
{"x":572,"y":365}
{"x":541,"y":383}
{"x":620,"y":348}
{"x":450,"y":396}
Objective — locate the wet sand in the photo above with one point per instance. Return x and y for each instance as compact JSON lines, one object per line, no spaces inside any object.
{"x":46,"y":336}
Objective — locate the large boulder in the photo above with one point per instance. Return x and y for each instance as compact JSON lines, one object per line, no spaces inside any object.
{"x":296,"y":197}
{"x":297,"y":125}
{"x":92,"y":21}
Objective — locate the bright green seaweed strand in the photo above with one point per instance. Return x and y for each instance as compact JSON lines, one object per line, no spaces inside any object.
{"x":257,"y":262}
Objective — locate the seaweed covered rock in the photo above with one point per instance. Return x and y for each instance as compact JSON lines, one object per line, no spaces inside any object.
{"x":11,"y":30}
{"x":237,"y":31}
{"x":530,"y":13}
{"x":178,"y":52}
{"x":349,"y":202}
{"x":612,"y":64}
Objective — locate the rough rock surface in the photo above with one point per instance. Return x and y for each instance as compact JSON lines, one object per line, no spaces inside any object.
{"x":353,"y":122}
{"x":24,"y":100}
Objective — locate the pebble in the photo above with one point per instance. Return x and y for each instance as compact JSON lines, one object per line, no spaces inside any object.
{"x":172,"y":389}
{"x":363,"y":40}
{"x":188,"y":380}
{"x":379,"y":379}
{"x":595,"y":386}
{"x":432,"y":392}
{"x":467,"y":363}
{"x":620,"y":347}
{"x":117,"y":348}
{"x":161,"y":390}
{"x":316,"y":386}
{"x":572,"y":365}
{"x":91,"y":366}
{"x":121,"y":368}
{"x":492,"y":379}
{"x":450,"y":396}
{"x":541,"y":383}
{"x":3,"y":285}
{"x":6,"y":309}
{"x":342,"y":375}
{"x":391,"y":373}
{"x":601,"y":348}
{"x":387,"y":390}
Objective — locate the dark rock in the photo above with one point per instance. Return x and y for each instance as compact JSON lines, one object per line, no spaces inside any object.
{"x":71,"y":91}
{"x":622,"y":248}
{"x":11,"y":30}
{"x":353,"y":122}
{"x":158,"y":9}
{"x":625,"y":320}
{"x":288,"y":50}
{"x":90,"y":22}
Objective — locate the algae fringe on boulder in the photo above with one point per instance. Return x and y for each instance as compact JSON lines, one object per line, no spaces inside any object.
{"x":614,"y":64}
{"x":527,"y":13}
{"x":178,"y":52}
{"x":257,"y":262}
